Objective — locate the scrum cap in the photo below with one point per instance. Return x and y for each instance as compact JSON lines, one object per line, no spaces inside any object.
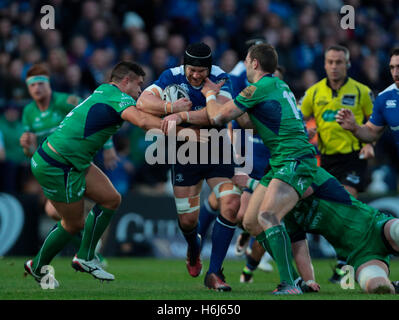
{"x":198,"y":55}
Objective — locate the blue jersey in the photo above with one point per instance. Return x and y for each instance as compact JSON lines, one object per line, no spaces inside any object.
{"x":261,"y":153}
{"x":191,"y":174}
{"x":176,"y":76}
{"x":386,"y":111}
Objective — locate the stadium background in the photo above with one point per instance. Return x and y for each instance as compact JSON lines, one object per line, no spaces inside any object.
{"x":91,"y":36}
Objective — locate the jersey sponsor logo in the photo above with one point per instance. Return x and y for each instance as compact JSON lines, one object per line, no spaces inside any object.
{"x":348,"y":100}
{"x":248,"y":92}
{"x":390,"y":104}
{"x":329,"y":115}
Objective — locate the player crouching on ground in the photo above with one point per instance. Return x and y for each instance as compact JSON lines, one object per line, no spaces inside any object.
{"x":362,"y":234}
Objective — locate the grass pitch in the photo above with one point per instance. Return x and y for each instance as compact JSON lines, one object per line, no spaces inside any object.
{"x":159,"y":279}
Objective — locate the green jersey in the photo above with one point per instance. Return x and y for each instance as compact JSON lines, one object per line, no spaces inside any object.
{"x":43,"y":123}
{"x":89,"y":125}
{"x":272,"y":109}
{"x":353,"y":228}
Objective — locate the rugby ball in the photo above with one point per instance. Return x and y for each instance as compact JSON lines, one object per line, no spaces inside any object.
{"x":174,"y":92}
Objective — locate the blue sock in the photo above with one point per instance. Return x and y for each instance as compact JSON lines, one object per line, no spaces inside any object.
{"x":251,"y":264}
{"x":206,"y":217}
{"x":222,"y":233}
{"x":192,"y":239}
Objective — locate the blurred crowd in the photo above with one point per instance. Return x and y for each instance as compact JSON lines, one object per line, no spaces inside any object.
{"x":91,"y":36}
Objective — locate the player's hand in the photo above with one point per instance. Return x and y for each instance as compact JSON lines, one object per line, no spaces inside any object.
{"x":111,"y":158}
{"x":211,"y":86}
{"x":346,"y":119}
{"x":182,"y":104}
{"x":313,"y":286}
{"x":27,"y":140}
{"x":240,"y":179}
{"x":367,"y":152}
{"x":170,"y":122}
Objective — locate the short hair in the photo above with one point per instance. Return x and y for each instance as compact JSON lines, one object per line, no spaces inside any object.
{"x":394,"y":52}
{"x":266,"y":56}
{"x":124,"y":68}
{"x":38,"y":69}
{"x":336,"y":47}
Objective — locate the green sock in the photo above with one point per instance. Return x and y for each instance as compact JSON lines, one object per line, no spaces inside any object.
{"x":77,"y":240}
{"x":277,"y":242}
{"x":55,"y":241}
{"x":96,"y":222}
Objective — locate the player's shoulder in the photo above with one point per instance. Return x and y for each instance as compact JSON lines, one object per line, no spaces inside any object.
{"x":390,"y":90}
{"x":217,"y":72}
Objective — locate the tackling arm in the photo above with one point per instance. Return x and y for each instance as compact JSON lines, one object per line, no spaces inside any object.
{"x":300,"y":251}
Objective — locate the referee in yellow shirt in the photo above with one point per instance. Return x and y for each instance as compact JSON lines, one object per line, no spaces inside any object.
{"x":342,"y":154}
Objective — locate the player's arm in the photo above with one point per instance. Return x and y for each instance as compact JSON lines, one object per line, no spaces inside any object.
{"x":306,"y":104}
{"x":245,"y":122}
{"x":367,"y":132}
{"x":150,"y":101}
{"x":304,"y":265}
{"x":28,"y":142}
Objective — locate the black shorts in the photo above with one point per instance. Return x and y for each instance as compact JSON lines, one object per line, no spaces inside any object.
{"x":191,"y":174}
{"x":347,"y":168}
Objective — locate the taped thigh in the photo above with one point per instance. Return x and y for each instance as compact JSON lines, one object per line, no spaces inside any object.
{"x":370,"y":272}
{"x":187,"y":205}
{"x":233,"y":189}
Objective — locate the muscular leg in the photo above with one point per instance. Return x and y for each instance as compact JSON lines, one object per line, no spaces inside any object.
{"x":99,"y":189}
{"x":279,"y":199}
{"x":224,"y":227}
{"x":187,"y":200}
{"x":372,"y":277}
{"x":208,"y":212}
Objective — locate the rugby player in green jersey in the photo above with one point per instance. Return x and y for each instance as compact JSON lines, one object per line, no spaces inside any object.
{"x":363,"y":235}
{"x":270,"y":106}
{"x":63,"y":166}
{"x":42,"y":116}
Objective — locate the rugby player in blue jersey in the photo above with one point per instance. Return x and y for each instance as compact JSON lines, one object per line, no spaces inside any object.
{"x":188,"y":178}
{"x":385,"y":110}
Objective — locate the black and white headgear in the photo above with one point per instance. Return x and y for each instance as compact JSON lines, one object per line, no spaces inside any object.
{"x":198,"y":55}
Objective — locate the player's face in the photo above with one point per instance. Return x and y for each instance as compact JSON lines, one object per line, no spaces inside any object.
{"x":394,"y":67}
{"x":196,"y":75}
{"x":335,"y":65}
{"x":133,"y":87}
{"x":39,"y":90}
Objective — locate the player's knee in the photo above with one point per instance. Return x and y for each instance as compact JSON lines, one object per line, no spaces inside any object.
{"x":374,"y":279}
{"x":229,"y":207}
{"x":213,"y":202}
{"x":252,"y":227}
{"x":113,"y":201}
{"x":379,"y":285}
{"x":74,"y":226}
{"x":268,"y":219}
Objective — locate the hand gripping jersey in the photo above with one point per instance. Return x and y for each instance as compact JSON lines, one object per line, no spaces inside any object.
{"x":271,"y":106}
{"x":43,"y":123}
{"x":386,"y":111}
{"x":89,"y":125}
{"x":176,"y":76}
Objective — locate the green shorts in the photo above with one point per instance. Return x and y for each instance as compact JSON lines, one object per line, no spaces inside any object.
{"x":373,"y":246}
{"x":298,"y":173}
{"x":60,"y":181}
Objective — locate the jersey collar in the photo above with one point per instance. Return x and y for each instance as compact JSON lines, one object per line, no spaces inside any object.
{"x":335,"y":92}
